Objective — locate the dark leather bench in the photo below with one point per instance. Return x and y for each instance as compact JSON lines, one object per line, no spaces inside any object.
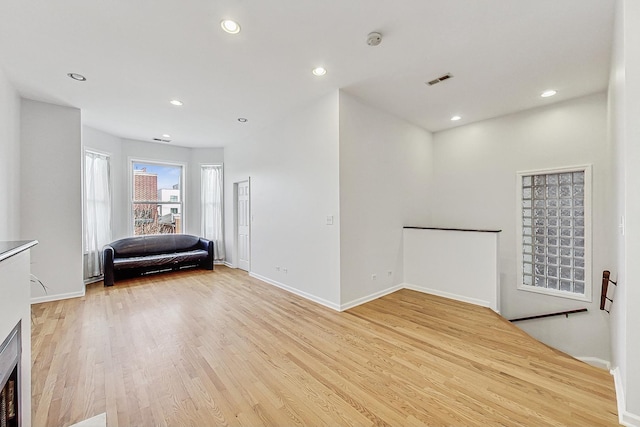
{"x":140,"y":254}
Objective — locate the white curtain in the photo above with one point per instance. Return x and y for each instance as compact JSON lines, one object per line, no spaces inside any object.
{"x":97,"y":211}
{"x":211,"y":202}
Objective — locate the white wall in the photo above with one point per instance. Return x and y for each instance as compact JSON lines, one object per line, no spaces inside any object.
{"x":9,"y":160}
{"x":385,"y":172}
{"x":51,"y":202}
{"x":293,"y":167}
{"x":475,"y":187}
{"x":456,"y":264}
{"x":123,"y":150}
{"x":624,"y":98}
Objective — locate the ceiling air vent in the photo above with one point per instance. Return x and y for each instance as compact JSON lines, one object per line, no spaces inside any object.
{"x":161,"y":140}
{"x":439,"y":79}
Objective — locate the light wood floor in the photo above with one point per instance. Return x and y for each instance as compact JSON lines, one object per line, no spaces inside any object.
{"x":202,"y":348}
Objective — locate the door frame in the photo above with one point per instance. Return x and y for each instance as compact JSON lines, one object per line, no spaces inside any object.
{"x":235,"y":222}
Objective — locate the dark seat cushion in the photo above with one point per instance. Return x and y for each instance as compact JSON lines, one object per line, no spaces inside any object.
{"x":158,"y":260}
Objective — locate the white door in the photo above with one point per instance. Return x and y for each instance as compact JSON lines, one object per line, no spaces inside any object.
{"x":244,"y":229}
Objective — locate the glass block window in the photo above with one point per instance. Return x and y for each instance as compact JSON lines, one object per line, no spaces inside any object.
{"x":553,"y":250}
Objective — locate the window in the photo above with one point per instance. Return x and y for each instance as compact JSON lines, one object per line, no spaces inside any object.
{"x":97,"y":212}
{"x":211,"y":178}
{"x":157,"y":198}
{"x":554,"y":245}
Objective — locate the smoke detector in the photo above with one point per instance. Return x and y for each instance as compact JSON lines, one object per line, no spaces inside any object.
{"x":374,"y":39}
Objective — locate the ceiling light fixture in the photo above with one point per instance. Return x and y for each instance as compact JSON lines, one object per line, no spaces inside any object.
{"x":229,"y":26}
{"x":166,"y":135}
{"x":548,"y":93}
{"x":455,"y":118}
{"x":78,"y":77}
{"x":242,"y":120}
{"x":319,"y":71}
{"x":176,"y":102}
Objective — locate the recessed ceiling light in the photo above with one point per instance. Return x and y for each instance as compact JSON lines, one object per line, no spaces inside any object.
{"x":78,"y":77}
{"x":455,"y":118}
{"x":242,"y":120}
{"x":548,"y":93}
{"x":176,"y":102}
{"x":166,"y":135}
{"x":231,"y":27}
{"x":319,"y":71}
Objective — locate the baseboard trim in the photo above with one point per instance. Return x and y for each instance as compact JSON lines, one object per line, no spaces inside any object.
{"x":625,"y":418}
{"x":228,"y":264}
{"x":368,"y":298}
{"x":57,"y":297}
{"x":97,"y":421}
{"x":371,"y":297}
{"x":443,"y":294}
{"x":595,"y":361}
{"x":298,"y":292}
{"x":630,"y":420}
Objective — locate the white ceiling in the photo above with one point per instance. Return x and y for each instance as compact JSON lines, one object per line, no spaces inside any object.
{"x":139,"y":54}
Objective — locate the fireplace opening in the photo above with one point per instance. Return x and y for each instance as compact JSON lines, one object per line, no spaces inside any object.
{"x":10,"y":379}
{"x":9,"y":401}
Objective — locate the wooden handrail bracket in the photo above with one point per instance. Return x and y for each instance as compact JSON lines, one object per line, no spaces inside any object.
{"x":605,"y":289}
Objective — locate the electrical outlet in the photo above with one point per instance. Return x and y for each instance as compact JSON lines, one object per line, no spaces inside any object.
{"x":389,"y":273}
{"x":374,"y":276}
{"x":285,"y":270}
{"x":277,"y":268}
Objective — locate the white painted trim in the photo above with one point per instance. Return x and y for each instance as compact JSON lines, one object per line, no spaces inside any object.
{"x":228,"y":264}
{"x":588,"y":231}
{"x":368,"y":298}
{"x":99,"y":420}
{"x":298,"y":292}
{"x":202,"y":165}
{"x":625,"y":418}
{"x":235,"y":222}
{"x":596,"y":362}
{"x":57,"y":297}
{"x":456,"y":297}
{"x":629,"y":419}
{"x":183,"y":182}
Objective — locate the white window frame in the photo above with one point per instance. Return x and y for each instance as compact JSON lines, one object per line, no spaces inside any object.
{"x":183,"y":189}
{"x":85,"y":249}
{"x":84,"y":191}
{"x":588,"y":282}
{"x":220,"y":252}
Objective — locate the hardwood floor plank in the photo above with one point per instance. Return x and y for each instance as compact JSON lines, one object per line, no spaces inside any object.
{"x":204,"y":348}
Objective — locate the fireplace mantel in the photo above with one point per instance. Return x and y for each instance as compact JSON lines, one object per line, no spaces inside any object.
{"x":15,"y":307}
